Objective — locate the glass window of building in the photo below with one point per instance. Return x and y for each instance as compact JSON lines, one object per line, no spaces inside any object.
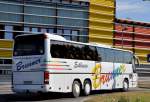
{"x":34,"y":30}
{"x":1,"y":32}
{"x":1,"y":61}
{"x":75,"y":2}
{"x":9,"y":11}
{"x":44,"y":13}
{"x":5,"y":72}
{"x":83,"y":35}
{"x":41,"y":13}
{"x":50,"y":30}
{"x":84,"y":3}
{"x":57,"y":1}
{"x":59,"y":31}
{"x":17,"y":28}
{"x":67,"y":34}
{"x":75,"y":35}
{"x":66,"y":1}
{"x":70,"y":20}
{"x":43,"y":30}
{"x":70,"y":12}
{"x":7,"y":61}
{"x":0,"y":72}
{"x":26,"y":29}
{"x":8,"y":32}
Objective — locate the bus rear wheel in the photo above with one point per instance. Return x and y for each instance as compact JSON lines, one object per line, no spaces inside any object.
{"x":125,"y":85}
{"x":76,"y":89}
{"x":87,"y":88}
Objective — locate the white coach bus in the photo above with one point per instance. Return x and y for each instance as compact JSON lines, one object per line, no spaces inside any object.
{"x":50,"y":63}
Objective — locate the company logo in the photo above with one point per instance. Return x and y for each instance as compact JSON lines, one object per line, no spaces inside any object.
{"x":80,"y":65}
{"x":21,"y":66}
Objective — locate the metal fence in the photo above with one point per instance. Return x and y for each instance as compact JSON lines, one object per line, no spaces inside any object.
{"x":143,"y":70}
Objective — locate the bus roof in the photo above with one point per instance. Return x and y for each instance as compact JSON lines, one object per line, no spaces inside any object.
{"x":50,"y":36}
{"x":55,"y":37}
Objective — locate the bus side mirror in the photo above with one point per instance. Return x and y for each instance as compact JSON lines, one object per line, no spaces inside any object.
{"x":137,"y":61}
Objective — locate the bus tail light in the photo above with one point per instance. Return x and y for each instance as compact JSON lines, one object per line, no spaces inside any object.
{"x":45,"y":36}
{"x":46,"y":77}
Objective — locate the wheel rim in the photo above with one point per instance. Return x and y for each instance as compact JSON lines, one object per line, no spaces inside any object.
{"x":125,"y":85}
{"x":77,"y":88}
{"x":87,"y":88}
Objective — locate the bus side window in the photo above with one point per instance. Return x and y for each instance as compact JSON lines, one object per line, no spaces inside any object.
{"x":87,"y":52}
{"x":129,"y":58}
{"x":109,"y":53}
{"x":101,"y":54}
{"x":57,"y":49}
{"x":98,"y":55}
{"x":72,"y":51}
{"x":77,"y":52}
{"x":67,"y":50}
{"x":54,"y":51}
{"x":119,"y":56}
{"x":93,"y":53}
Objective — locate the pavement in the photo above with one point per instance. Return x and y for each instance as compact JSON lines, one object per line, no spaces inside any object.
{"x":7,"y":95}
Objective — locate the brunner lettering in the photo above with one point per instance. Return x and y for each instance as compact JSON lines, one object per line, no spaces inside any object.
{"x":20,"y":64}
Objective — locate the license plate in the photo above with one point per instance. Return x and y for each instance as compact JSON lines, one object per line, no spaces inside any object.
{"x":27,"y":82}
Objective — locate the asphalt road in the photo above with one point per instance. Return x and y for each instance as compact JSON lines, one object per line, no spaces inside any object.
{"x":6,"y":95}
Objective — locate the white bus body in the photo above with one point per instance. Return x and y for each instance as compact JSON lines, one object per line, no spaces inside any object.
{"x":49,"y":63}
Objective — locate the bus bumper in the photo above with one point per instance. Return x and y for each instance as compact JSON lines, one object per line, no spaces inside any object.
{"x":29,"y":88}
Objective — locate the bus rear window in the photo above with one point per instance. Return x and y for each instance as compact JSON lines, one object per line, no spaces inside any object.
{"x":29,"y":45}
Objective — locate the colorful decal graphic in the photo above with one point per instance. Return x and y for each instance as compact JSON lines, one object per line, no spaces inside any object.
{"x":56,"y":65}
{"x":100,"y":79}
{"x":96,"y":76}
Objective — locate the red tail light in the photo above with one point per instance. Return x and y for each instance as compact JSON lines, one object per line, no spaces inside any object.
{"x":46,"y":77}
{"x":45,"y":36}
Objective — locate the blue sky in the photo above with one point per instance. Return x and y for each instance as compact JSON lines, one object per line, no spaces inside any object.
{"x":138,"y":10}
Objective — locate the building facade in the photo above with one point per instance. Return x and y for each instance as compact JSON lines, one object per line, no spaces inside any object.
{"x":77,"y":20}
{"x":134,"y":36}
{"x":101,"y":21}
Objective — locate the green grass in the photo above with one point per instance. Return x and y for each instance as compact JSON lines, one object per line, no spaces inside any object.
{"x":121,"y":97}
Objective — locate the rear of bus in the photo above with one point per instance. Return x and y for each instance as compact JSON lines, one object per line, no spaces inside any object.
{"x":28,"y":57}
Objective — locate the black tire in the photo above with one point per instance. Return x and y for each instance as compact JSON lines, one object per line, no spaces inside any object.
{"x":76,"y":89}
{"x":125,"y":85}
{"x":87,"y":88}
